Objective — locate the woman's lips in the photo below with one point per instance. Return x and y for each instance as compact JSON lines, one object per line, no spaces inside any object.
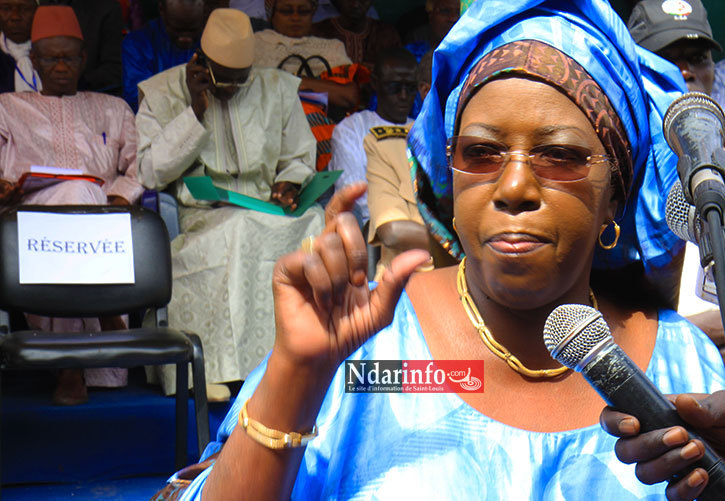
{"x":516,"y":243}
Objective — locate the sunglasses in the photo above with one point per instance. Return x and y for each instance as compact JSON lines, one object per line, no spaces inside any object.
{"x":397,"y":87}
{"x":473,"y":155}
{"x":220,"y":85}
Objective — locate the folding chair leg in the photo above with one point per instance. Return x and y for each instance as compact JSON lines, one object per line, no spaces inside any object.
{"x":182,"y":414}
{"x":201,"y":405}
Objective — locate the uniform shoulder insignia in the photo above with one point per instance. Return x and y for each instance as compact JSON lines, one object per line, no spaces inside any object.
{"x":388,"y":131}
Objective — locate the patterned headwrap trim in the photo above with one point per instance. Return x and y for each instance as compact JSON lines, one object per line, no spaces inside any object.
{"x":543,"y":62}
{"x":269,"y":7}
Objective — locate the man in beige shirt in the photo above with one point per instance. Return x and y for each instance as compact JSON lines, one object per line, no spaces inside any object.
{"x":395,"y":223}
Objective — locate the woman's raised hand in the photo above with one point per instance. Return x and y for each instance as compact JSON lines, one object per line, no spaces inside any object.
{"x":660,"y":454}
{"x":324,"y":309}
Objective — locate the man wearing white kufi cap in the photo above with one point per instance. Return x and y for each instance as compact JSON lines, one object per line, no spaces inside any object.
{"x":218,"y":116}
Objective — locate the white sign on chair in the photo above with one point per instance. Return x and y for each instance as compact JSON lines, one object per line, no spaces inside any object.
{"x":58,"y":248}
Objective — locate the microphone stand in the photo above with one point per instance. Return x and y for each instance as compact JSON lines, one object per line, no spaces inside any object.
{"x":710,"y":201}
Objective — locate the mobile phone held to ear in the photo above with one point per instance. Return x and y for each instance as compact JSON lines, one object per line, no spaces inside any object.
{"x":200,"y":58}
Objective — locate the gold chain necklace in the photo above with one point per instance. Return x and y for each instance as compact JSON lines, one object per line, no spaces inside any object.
{"x":497,"y":348}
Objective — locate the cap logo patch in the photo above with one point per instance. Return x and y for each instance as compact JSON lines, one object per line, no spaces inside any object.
{"x":676,"y":8}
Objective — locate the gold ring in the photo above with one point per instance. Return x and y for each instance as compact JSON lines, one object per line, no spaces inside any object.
{"x":308,"y":244}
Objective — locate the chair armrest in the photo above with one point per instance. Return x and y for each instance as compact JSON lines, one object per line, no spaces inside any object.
{"x":166,"y":206}
{"x":169,"y":212}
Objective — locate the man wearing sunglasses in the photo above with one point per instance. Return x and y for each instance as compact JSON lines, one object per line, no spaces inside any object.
{"x":244,"y":127}
{"x":395,"y":84}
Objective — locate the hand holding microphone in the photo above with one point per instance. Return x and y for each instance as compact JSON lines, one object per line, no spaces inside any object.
{"x":578,"y":337}
{"x":657,"y":456}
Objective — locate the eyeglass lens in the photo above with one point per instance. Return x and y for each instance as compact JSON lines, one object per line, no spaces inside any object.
{"x":219,"y":84}
{"x":397,"y":87}
{"x":472,"y":155}
{"x":69,"y":60}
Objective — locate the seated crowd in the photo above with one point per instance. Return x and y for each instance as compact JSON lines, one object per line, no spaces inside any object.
{"x":260,"y":95}
{"x":257,"y":112}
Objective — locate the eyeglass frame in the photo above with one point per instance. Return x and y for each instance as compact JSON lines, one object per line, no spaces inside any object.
{"x":507,"y":155}
{"x":221,"y":85}
{"x":410,"y":87}
{"x":51,"y":61}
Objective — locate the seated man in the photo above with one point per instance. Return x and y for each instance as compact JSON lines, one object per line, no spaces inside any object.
{"x":685,"y":39}
{"x":394,"y":82}
{"x":162,"y":44}
{"x":61,"y":127}
{"x":16,"y":69}
{"x":395,"y":223}
{"x":219,"y":116}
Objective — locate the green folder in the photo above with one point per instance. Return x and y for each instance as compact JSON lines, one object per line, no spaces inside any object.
{"x":202,"y":188}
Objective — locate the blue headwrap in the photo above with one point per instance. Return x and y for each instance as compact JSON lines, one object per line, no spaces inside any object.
{"x":639,"y":84}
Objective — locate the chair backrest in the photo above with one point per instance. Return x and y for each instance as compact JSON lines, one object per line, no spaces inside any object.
{"x":152,"y":269}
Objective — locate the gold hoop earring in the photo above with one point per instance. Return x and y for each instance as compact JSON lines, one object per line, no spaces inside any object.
{"x":616,"y":236}
{"x":453,"y":222}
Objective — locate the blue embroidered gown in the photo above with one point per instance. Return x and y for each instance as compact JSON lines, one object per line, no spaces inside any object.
{"x":435,"y":446}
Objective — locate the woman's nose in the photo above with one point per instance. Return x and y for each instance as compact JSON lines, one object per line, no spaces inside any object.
{"x":517,"y":189}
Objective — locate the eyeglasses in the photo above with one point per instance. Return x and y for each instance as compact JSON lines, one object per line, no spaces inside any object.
{"x":301,"y":11}
{"x":221,"y":85}
{"x":473,"y":155}
{"x":397,"y":87}
{"x":53,"y":60}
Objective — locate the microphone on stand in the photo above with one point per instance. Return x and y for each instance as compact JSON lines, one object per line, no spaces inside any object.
{"x":684,"y":221}
{"x":682,"y":217}
{"x":577,"y":336}
{"x":693,"y":127}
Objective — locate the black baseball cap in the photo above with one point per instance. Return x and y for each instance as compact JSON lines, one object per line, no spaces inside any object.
{"x":655,"y":24}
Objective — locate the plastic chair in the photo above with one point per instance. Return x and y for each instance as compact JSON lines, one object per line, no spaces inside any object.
{"x":32,"y":350}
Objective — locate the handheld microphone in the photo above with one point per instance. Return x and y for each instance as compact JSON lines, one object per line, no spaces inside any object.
{"x":693,"y":127}
{"x":578,"y":337}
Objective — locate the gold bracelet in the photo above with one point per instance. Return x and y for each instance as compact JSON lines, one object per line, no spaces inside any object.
{"x":272,"y":439}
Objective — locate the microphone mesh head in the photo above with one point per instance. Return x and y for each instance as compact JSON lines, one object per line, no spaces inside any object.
{"x":689,"y":101}
{"x":681,"y":217}
{"x":571,"y":331}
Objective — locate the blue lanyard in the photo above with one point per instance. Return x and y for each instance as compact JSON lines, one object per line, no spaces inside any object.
{"x":33,"y":85}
